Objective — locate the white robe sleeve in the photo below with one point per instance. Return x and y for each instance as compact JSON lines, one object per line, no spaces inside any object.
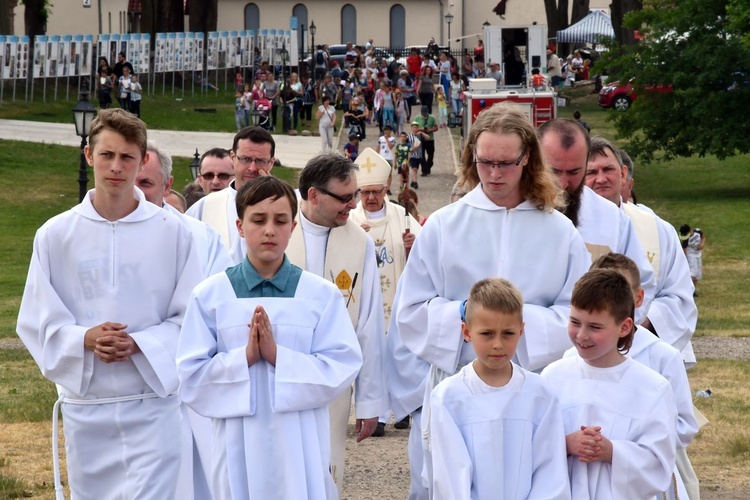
{"x":452,"y":469}
{"x":158,"y":343}
{"x":549,"y":477}
{"x":306,"y":381}
{"x":673,"y":369}
{"x":218,"y":259}
{"x":642,"y":467}
{"x":673,"y":312}
{"x":371,"y":395}
{"x":49,"y":330}
{"x":429,"y":325}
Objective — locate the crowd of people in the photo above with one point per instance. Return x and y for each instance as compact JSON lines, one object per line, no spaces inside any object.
{"x":534,"y":334}
{"x":122,"y":80}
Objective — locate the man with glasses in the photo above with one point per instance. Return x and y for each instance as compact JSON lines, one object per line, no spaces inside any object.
{"x":392,"y":230}
{"x":252,"y":155}
{"x":217,"y":170}
{"x":329,"y":244}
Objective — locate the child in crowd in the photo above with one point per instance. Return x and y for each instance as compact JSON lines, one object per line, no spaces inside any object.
{"x":247,"y":104}
{"x":442,"y":103}
{"x":239,"y":110}
{"x":402,"y":111}
{"x":265,"y":348}
{"x":415,"y":139}
{"x":496,"y":429}
{"x":351,"y":148}
{"x":661,"y":357}
{"x":537,"y":79}
{"x":620,"y":416}
{"x":403,"y":151}
{"x":386,"y":143}
{"x":136,"y":95}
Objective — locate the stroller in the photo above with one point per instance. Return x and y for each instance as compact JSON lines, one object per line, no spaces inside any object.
{"x":263,"y":106}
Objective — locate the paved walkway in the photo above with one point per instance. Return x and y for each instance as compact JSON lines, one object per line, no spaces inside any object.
{"x":292,"y":151}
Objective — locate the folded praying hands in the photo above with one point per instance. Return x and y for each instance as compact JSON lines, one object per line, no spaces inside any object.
{"x":260,"y":344}
{"x":589,"y":445}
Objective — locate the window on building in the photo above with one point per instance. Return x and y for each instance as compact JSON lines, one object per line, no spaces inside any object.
{"x":300,"y":12}
{"x":398,"y":27}
{"x":348,"y":24}
{"x":252,"y":17}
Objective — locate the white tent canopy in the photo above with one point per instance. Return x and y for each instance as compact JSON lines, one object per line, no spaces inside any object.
{"x":590,"y":29}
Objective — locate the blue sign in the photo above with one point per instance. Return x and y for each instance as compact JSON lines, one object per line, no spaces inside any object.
{"x":293,"y":23}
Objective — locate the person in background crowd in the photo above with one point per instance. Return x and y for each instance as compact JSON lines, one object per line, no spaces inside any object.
{"x":104,"y":87}
{"x":136,"y":95}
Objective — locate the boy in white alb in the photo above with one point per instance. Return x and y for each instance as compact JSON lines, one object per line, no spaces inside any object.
{"x":265,"y":348}
{"x":496,"y":428}
{"x":664,"y":359}
{"x":619,"y":416}
{"x":108,"y":285}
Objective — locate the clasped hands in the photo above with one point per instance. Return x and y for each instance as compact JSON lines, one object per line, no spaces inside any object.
{"x":589,"y":445}
{"x":110,"y":342}
{"x":260,"y":344}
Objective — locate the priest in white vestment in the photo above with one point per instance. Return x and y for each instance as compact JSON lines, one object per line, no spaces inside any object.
{"x":265,"y":347}
{"x":604,"y":228}
{"x":507,"y":226}
{"x":105,"y":296}
{"x":392,"y":230}
{"x":327,"y":243}
{"x":672,"y":314}
{"x":155,"y":180}
{"x":253,"y":154}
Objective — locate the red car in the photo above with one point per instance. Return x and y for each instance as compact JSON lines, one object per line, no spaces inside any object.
{"x":617,"y":96}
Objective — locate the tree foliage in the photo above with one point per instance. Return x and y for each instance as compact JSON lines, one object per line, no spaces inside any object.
{"x":699,"y":48}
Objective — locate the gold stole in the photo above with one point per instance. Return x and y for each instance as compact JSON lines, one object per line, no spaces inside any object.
{"x":345,"y":259}
{"x":644,"y":223}
{"x":215,"y":214}
{"x":389,"y":248}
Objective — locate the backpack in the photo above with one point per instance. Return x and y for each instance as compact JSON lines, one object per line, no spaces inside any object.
{"x":320,"y":59}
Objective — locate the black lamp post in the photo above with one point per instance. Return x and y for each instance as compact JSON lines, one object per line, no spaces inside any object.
{"x":313,"y":29}
{"x":83,"y":114}
{"x":449,"y":20}
{"x":302,"y":41}
{"x":195,"y":165}
{"x":486,"y":24}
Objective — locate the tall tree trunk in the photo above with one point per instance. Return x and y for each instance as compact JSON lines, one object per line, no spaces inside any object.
{"x":34,"y":18}
{"x":619,"y":8}
{"x":149,"y":15}
{"x":580,"y":10}
{"x":5,"y":15}
{"x":204,"y":16}
{"x":557,"y":16}
{"x":176,"y":9}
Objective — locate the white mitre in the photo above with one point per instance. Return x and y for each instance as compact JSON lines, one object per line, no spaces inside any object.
{"x":374,"y":170}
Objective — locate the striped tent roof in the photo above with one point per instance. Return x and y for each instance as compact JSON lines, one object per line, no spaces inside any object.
{"x":590,"y":29}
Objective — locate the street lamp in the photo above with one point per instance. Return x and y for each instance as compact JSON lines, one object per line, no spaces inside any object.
{"x":486,"y":24}
{"x":313,"y":29}
{"x":83,"y":114}
{"x":449,"y":20}
{"x":195,"y":165}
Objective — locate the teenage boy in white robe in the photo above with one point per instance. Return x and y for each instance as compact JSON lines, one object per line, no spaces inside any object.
{"x":507,"y":226}
{"x":496,"y":428}
{"x":620,"y":416}
{"x":101,"y":312}
{"x":265,"y":348}
{"x":661,"y":357}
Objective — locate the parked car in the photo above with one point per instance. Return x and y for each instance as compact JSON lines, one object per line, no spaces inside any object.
{"x":338,"y":53}
{"x":620,"y":97}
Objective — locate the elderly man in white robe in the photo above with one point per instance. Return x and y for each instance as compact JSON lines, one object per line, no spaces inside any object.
{"x":672,"y":314}
{"x":106,"y":292}
{"x":507,"y":226}
{"x":603,"y":227}
{"x":392,"y":230}
{"x":155,"y":180}
{"x":253,"y":154}
{"x":328,"y":243}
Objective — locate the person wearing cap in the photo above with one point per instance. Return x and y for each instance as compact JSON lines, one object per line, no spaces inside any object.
{"x":426,"y":123}
{"x":392,"y":230}
{"x":495,"y":73}
{"x":328,"y":243}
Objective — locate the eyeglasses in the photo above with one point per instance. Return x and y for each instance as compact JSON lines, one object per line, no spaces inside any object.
{"x":499,"y":164}
{"x":247,"y":160}
{"x":209,"y":176}
{"x":371,"y":192}
{"x":342,"y":199}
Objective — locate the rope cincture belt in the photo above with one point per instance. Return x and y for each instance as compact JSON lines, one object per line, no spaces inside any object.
{"x":87,"y":402}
